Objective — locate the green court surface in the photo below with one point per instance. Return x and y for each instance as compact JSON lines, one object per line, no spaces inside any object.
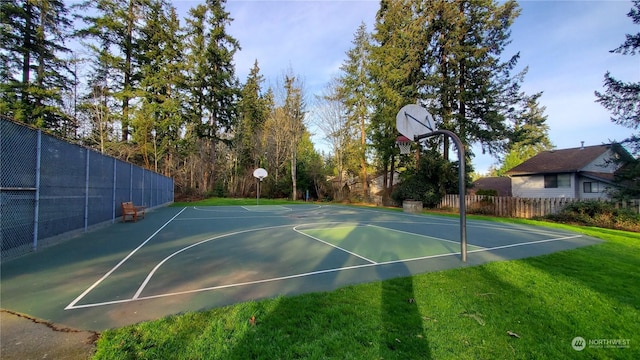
{"x":194,"y":258}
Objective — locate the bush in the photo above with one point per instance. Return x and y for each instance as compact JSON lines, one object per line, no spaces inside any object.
{"x":433,"y":178}
{"x":598,"y":213}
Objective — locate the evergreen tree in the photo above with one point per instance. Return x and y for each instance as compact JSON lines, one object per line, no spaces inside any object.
{"x":294,"y":110}
{"x":529,"y":134}
{"x":354,"y":91}
{"x":33,"y":75}
{"x":397,"y":60}
{"x":622,"y":99}
{"x":467,"y":85}
{"x":429,"y":181}
{"x":113,"y":34}
{"x":253,"y":110}
{"x":212,"y":82}
{"x":158,"y":120}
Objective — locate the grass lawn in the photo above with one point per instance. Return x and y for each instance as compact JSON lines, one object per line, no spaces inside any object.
{"x":523,"y":309}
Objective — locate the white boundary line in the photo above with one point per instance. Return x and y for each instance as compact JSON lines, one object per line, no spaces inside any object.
{"x":74,"y":302}
{"x":295,"y":276}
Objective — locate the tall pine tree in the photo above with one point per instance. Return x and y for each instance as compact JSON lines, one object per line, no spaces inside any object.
{"x":33,"y":72}
{"x":212,"y":82}
{"x":354,"y":91}
{"x":622,"y":99}
{"x":467,"y":82}
{"x":397,"y":60}
{"x":158,"y":119}
{"x":112,"y":32}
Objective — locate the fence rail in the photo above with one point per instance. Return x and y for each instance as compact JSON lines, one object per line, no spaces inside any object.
{"x":520,"y":207}
{"x":50,"y":188}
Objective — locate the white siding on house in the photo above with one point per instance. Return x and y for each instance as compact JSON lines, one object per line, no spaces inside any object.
{"x":598,"y":189}
{"x":533,"y":187}
{"x":603,"y":163}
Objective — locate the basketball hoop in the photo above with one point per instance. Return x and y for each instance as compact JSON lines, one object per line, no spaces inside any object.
{"x":404,"y":144}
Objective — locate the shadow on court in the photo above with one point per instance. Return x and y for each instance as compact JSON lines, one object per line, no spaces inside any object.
{"x":245,"y":256}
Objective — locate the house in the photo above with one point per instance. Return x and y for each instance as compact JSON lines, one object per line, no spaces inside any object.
{"x":585,"y":172}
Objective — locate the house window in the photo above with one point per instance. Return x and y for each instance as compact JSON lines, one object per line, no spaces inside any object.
{"x":590,"y":187}
{"x":553,"y":181}
{"x":550,"y":181}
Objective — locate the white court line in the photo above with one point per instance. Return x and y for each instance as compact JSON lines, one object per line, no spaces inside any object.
{"x":414,"y":234}
{"x":231,"y":217}
{"x":288,"y":277}
{"x":332,"y":228}
{"x":265,"y":208}
{"x":332,"y":245}
{"x":74,"y":302}
{"x":148,"y":278}
{"x":527,"y":243}
{"x":441,"y":220}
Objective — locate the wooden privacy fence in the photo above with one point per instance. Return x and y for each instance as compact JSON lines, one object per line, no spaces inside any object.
{"x":520,"y":207}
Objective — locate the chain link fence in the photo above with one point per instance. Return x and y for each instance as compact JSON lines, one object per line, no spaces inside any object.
{"x":50,"y":188}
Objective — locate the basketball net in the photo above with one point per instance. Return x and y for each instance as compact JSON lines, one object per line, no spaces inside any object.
{"x":404,"y":144}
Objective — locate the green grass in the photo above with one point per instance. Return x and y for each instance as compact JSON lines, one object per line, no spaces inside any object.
{"x":592,"y":292}
{"x":236,"y":201}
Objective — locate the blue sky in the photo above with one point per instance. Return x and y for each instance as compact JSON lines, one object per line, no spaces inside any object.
{"x":565,"y":44}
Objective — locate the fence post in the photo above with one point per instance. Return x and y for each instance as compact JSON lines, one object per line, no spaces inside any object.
{"x":36,"y":210}
{"x":86,"y":192}
{"x":113,"y":195}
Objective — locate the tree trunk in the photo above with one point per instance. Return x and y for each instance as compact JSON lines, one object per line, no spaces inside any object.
{"x":26,"y":59}
{"x":128,"y":49}
{"x":363,"y":160}
{"x":294,"y":171}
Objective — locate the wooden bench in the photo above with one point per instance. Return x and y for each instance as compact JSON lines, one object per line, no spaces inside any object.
{"x":131,"y":211}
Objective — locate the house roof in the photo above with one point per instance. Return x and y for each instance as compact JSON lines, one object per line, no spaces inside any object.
{"x":500,"y":184}
{"x":560,"y":161}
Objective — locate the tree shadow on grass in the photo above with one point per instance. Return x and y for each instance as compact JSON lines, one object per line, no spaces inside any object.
{"x":366,"y":321}
{"x":609,"y":269}
{"x":536,"y":312}
{"x":402,"y":334}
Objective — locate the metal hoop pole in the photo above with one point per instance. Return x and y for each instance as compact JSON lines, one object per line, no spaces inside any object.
{"x":461,"y":185}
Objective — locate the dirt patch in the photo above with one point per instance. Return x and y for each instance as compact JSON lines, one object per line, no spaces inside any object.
{"x":23,"y":337}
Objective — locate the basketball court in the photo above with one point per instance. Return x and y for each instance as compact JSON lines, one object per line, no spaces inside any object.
{"x":194,"y":258}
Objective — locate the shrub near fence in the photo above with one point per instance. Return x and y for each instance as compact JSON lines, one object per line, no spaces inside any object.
{"x":519,"y":207}
{"x":50,"y":188}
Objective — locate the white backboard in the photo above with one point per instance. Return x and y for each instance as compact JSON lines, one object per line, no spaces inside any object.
{"x":260,"y":173}
{"x":413,"y":120}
